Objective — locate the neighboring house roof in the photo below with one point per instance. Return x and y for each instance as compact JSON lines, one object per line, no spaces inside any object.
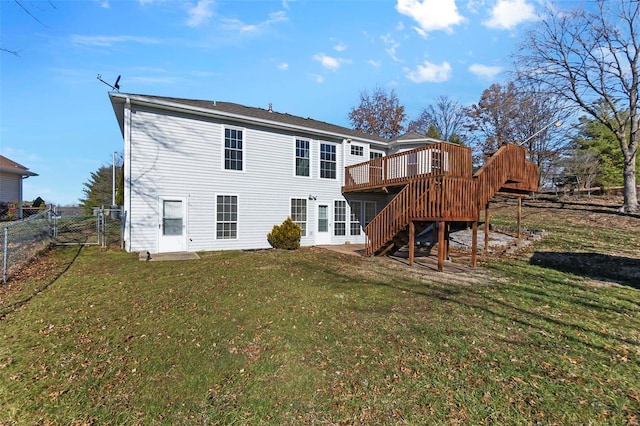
{"x":10,"y":166}
{"x":238,"y":112}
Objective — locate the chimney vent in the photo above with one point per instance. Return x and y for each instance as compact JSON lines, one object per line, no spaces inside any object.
{"x":270,"y":107}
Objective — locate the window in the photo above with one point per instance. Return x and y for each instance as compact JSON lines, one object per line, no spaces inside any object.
{"x":302,"y":157}
{"x":356,"y":215}
{"x":357,"y":150}
{"x":374,"y":154}
{"x":172,"y":217}
{"x":340,"y":218}
{"x":232,"y":149}
{"x":369,"y":212}
{"x":299,"y":213}
{"x":227,"y":217}
{"x":327,"y":161}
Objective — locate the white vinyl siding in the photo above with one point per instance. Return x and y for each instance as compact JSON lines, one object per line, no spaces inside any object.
{"x":10,"y":187}
{"x":183,"y":156}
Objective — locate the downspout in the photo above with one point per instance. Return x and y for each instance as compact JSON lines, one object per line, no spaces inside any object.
{"x":126,"y":164}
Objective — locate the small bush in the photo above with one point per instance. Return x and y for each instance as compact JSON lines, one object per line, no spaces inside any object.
{"x":285,"y":236}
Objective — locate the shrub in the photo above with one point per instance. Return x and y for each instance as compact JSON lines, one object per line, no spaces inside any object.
{"x":285,"y":236}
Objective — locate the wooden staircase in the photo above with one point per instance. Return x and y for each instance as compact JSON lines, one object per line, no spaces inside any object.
{"x":449,"y":193}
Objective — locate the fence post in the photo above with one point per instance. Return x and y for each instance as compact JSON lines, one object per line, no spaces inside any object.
{"x":4,"y":256}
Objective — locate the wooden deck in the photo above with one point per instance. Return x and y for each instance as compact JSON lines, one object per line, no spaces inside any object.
{"x":436,"y":183}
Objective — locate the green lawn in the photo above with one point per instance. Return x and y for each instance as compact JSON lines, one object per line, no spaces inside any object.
{"x":314,"y":337}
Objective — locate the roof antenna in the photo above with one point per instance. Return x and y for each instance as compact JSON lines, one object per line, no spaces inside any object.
{"x":116,"y":85}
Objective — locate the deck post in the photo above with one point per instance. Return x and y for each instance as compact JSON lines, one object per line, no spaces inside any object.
{"x":446,"y":240}
{"x":441,"y":248}
{"x":474,"y":244}
{"x":486,"y":228}
{"x":412,"y":242}
{"x":519,"y":216}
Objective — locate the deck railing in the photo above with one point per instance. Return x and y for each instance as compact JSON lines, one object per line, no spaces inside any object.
{"x":443,"y":197}
{"x":508,"y":166}
{"x":439,"y":159}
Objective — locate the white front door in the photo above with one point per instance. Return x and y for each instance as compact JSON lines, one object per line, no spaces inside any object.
{"x":323,"y":225}
{"x":172,"y":228}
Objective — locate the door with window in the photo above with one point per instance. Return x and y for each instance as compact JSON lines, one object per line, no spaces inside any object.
{"x":172,"y":227}
{"x":323,"y":236}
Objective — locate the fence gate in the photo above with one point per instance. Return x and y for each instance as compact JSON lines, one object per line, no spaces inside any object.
{"x":102,"y":228}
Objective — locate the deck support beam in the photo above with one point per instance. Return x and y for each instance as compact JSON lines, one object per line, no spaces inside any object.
{"x":441,"y":247}
{"x":486,"y":228}
{"x":412,"y":242}
{"x":519,"y":216}
{"x":474,"y":244}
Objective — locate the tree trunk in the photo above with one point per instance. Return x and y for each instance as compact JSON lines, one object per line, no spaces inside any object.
{"x":630,"y":187}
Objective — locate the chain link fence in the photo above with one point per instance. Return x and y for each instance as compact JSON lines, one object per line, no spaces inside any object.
{"x":23,"y":240}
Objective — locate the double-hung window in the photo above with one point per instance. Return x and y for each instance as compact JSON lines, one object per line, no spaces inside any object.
{"x":327,"y":161}
{"x":340,"y":218}
{"x":233,"y":149}
{"x":374,"y":154}
{"x":302,"y":157}
{"x":226,"y":217}
{"x":356,"y":217}
{"x":299,"y":213}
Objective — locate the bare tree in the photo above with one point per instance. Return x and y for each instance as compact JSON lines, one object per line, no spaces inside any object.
{"x":588,"y":56}
{"x":379,"y":113}
{"x":447,"y":116}
{"x":494,"y":118}
{"x":522,"y":115}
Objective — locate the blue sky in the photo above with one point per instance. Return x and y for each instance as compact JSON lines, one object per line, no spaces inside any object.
{"x":307,"y":57}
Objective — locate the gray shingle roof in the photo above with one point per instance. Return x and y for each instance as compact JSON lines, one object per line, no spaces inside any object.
{"x":10,"y":166}
{"x":266,"y":114}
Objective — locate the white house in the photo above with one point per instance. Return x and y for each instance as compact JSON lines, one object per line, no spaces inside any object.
{"x":208,"y":175}
{"x":11,"y":176}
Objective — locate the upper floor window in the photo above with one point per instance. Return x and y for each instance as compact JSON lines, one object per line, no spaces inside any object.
{"x":233,"y":149}
{"x":374,"y":154}
{"x":302,"y":157}
{"x":327,"y":161}
{"x":357,"y":150}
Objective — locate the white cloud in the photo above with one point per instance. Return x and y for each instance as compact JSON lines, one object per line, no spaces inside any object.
{"x":507,"y":14}
{"x":317,"y":78}
{"x":328,"y":62}
{"x":374,"y":63}
{"x":238,"y":25}
{"x":105,"y":4}
{"x":107,"y":41}
{"x":429,"y":72}
{"x":485,"y":71}
{"x":199,"y":13}
{"x":431,"y":15}
{"x":340,"y":47}
{"x":392,"y":45}
{"x":283,"y":66}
